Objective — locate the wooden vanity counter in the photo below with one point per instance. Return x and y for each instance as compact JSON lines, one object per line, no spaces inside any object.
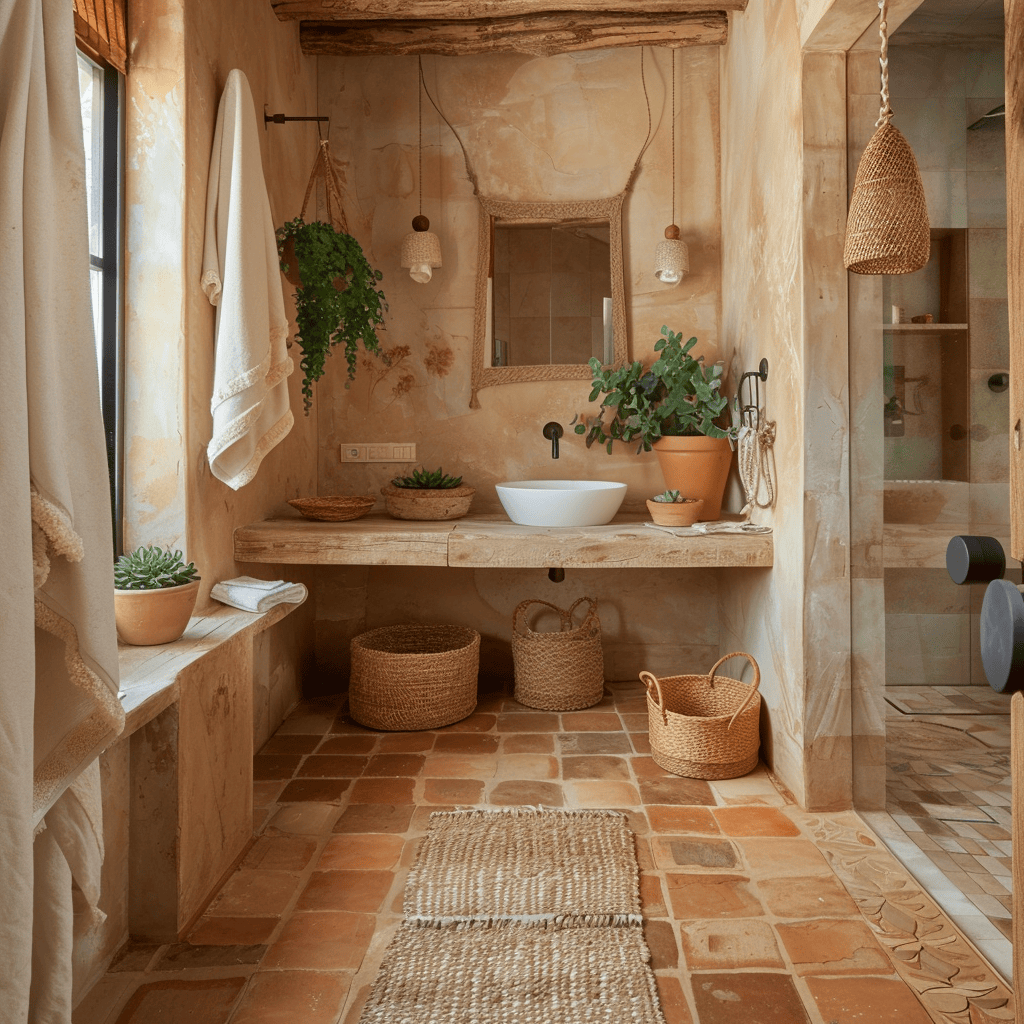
{"x":492,"y":541}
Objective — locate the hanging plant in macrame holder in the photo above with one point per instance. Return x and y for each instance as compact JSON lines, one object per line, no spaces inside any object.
{"x":887,"y":230}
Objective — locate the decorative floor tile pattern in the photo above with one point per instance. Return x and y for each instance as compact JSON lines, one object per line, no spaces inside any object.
{"x":948,"y":700}
{"x":753,"y":909}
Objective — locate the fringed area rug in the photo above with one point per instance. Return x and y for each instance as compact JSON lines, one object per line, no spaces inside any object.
{"x":520,"y":916}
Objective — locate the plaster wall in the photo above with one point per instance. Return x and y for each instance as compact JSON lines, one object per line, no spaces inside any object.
{"x":557,"y":128}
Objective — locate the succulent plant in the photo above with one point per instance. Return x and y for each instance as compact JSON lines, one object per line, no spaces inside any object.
{"x":669,"y":497}
{"x":434,"y":481}
{"x":151,"y":568}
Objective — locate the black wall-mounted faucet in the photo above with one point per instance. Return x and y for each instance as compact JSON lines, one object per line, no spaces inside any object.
{"x":553,"y":431}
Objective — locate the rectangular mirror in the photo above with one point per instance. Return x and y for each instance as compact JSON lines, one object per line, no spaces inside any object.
{"x":550,"y":293}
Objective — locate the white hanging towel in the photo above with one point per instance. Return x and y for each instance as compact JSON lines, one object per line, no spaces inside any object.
{"x":242,"y":278}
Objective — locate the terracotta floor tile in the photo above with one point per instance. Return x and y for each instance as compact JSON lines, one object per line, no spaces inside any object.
{"x":394,"y":765}
{"x":355,"y":1010}
{"x":347,"y":725}
{"x":595,"y":767}
{"x":537,"y":721}
{"x":590,"y":721}
{"x":661,"y":941}
{"x":676,"y":791}
{"x":382,"y":791}
{"x":641,"y":742}
{"x":198,"y":1002}
{"x":324,"y":940}
{"x":711,"y":897}
{"x":510,"y":794}
{"x":133,"y":956}
{"x":332,"y":766}
{"x":295,"y":743}
{"x":466,"y":743}
{"x":652,"y":897}
{"x":361,"y":892}
{"x":755,"y":821}
{"x":648,"y":768}
{"x":857,"y":1000}
{"x":780,"y":858}
{"x":817,"y":896}
{"x":528,"y":743}
{"x":363,"y":852}
{"x":275,"y":766}
{"x":421,"y":816}
{"x":726,"y":945}
{"x":635,"y":722}
{"x":232,"y":931}
{"x":181,"y":956}
{"x":833,"y":947}
{"x":683,"y":818}
{"x":322,"y":790}
{"x":281,"y":853}
{"x":255,"y":892}
{"x":687,"y":852}
{"x":673,"y":1002}
{"x":594,"y":743}
{"x":477,"y":722}
{"x":388,"y":818}
{"x":453,"y":791}
{"x":406,"y":743}
{"x":286,"y":997}
{"x":527,"y":766}
{"x":355,"y":744}
{"x":613,"y":795}
{"x":305,"y":819}
{"x":307,"y":719}
{"x":460,"y":766}
{"x":264,"y":793}
{"x":753,"y":997}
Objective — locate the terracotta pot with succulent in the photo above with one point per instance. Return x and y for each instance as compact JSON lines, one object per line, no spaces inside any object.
{"x":427,"y":495}
{"x":672,"y":407}
{"x":154,"y":595}
{"x":670,"y":508}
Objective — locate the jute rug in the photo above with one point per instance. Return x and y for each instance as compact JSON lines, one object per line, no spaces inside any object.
{"x":520,"y":916}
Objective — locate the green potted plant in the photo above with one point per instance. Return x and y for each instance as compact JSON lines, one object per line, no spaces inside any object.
{"x":673,"y":407}
{"x":427,"y":495}
{"x":337,"y":301}
{"x":670,"y":508}
{"x":154,"y":595}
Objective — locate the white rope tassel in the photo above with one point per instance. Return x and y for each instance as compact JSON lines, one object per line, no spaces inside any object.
{"x":756,"y":458}
{"x":885,"y":112}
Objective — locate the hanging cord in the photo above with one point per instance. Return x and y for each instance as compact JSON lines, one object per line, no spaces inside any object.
{"x":756,"y":462}
{"x":673,"y":136}
{"x":650,"y":124}
{"x":465,"y":155}
{"x":885,"y":112}
{"x":419,"y":105}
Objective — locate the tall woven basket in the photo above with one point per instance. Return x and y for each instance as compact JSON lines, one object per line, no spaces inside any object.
{"x":414,"y":677}
{"x":558,"y":671}
{"x":704,"y":727}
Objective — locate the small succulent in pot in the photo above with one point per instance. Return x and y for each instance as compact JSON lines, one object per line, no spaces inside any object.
{"x":670,"y":496}
{"x":152,"y":568}
{"x":436,"y":480}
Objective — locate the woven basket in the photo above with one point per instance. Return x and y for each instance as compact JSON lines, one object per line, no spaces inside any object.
{"x":414,"y":677}
{"x":704,"y":727}
{"x":558,"y":671}
{"x":425,"y":503}
{"x":334,"y":508}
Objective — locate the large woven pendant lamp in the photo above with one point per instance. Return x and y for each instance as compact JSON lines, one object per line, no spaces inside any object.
{"x":672,"y":257}
{"x":887,"y":229}
{"x":421,"y":248}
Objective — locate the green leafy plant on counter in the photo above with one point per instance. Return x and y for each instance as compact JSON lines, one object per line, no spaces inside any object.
{"x":337,"y":301}
{"x":423,"y":480}
{"x":676,"y":396}
{"x":151,"y":568}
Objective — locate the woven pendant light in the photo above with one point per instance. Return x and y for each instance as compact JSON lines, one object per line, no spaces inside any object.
{"x":672,"y":257}
{"x":421,"y":248}
{"x":887,"y":230}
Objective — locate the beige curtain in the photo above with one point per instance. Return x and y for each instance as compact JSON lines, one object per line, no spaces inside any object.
{"x":100,"y":28}
{"x":58,"y":650}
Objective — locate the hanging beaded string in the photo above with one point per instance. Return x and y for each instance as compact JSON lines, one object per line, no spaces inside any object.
{"x":886,"y":112}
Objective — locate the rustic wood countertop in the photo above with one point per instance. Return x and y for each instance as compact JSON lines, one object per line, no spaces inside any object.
{"x":491,"y":540}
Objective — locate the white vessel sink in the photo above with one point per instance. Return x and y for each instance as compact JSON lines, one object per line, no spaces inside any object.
{"x":561,"y":502}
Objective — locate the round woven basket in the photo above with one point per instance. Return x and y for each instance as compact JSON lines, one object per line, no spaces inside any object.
{"x":704,"y":727}
{"x":427,"y":503}
{"x":558,"y":671}
{"x":414,"y":677}
{"x":334,"y":508}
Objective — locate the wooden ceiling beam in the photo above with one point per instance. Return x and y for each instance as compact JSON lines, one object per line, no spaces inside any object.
{"x":463,"y":10}
{"x":538,"y":35}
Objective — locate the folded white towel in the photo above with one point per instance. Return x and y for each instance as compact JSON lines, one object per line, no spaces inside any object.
{"x":252,"y":595}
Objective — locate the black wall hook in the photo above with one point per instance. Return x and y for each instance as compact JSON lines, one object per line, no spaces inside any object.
{"x":750,"y":410}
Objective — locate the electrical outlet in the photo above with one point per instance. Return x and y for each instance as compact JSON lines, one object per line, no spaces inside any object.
{"x":361,"y":451}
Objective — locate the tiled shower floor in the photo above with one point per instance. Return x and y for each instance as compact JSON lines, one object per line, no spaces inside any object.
{"x":754,"y":910}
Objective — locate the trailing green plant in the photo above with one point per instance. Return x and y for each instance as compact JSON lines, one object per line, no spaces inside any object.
{"x":338,"y":301}
{"x":437,"y":480}
{"x":669,"y":497}
{"x":151,"y":568}
{"x":676,"y":396}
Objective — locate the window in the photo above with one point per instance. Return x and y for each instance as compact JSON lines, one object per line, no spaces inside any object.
{"x":101,"y":90}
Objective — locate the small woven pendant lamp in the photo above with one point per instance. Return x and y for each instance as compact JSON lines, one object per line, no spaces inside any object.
{"x":672,"y":257}
{"x":887,"y":229}
{"x":421,"y":248}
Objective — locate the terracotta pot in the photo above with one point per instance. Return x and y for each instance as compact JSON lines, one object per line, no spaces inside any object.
{"x":676,"y":513}
{"x":427,"y":502}
{"x":696,"y":467}
{"x":148,"y":617}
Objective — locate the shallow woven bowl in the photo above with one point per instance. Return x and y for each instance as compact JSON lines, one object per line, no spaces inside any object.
{"x":334,"y":508}
{"x":427,"y":503}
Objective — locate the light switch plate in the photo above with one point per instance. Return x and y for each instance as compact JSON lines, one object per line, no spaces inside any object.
{"x":378,"y":451}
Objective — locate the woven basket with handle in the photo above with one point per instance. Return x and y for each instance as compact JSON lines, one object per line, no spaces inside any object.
{"x":414,"y":677}
{"x":704,"y":726}
{"x":563,"y":670}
